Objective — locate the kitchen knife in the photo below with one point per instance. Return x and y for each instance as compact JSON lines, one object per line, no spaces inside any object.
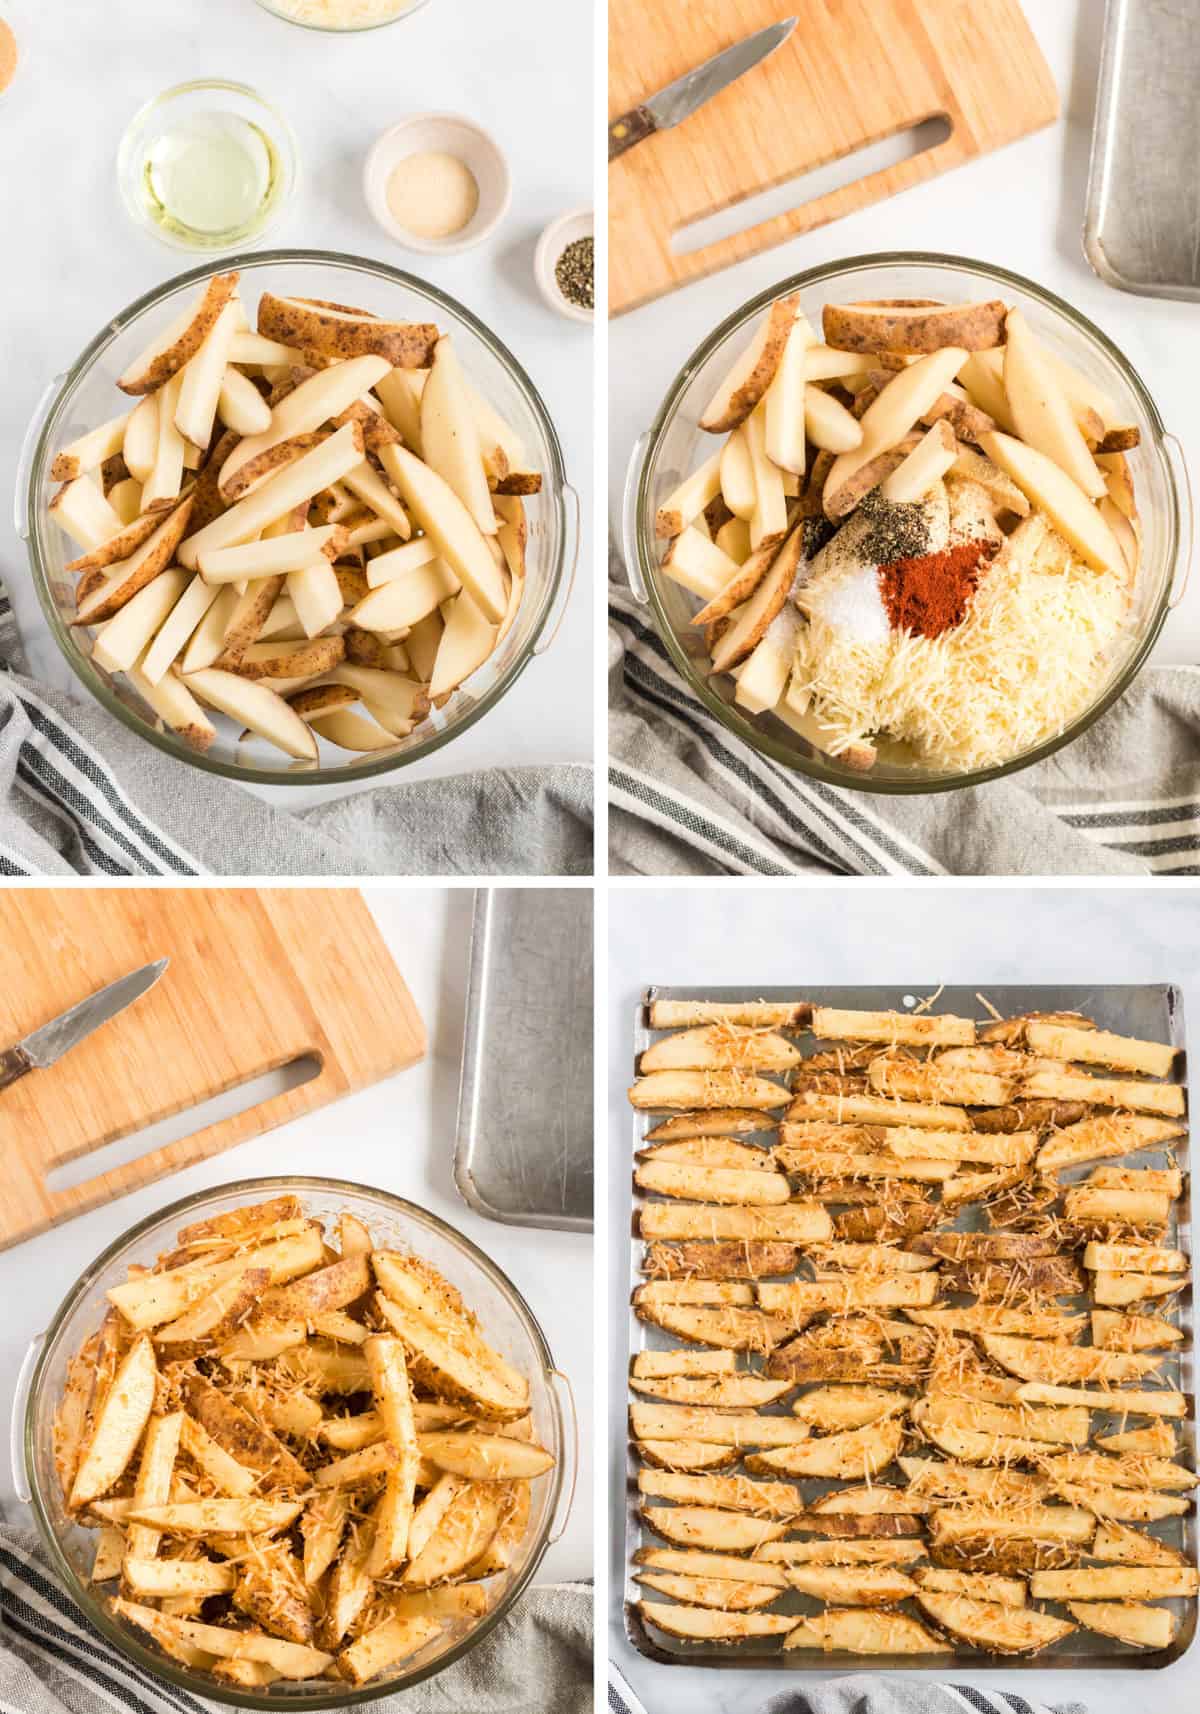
{"x":679,"y":100}
{"x":61,"y":1034}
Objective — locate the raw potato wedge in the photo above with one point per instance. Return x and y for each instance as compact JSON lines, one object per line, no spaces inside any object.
{"x":1040,"y":409}
{"x":853,"y":1630}
{"x":913,"y":329}
{"x":167,"y":354}
{"x":1066,"y":505}
{"x":994,"y":1625}
{"x":701,"y":1624}
{"x":1144,"y":1627}
{"x":335,"y":330}
{"x":685,"y":503}
{"x":752,"y":373}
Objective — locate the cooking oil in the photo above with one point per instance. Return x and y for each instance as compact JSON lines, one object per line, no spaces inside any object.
{"x":210,"y":180}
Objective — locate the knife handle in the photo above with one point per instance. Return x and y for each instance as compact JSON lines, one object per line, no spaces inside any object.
{"x":14,"y":1063}
{"x":629,"y":129}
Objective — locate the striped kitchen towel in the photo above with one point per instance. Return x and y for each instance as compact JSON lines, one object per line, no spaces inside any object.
{"x":869,"y":1693}
{"x":688,"y":798}
{"x":82,"y":795}
{"x":52,"y":1661}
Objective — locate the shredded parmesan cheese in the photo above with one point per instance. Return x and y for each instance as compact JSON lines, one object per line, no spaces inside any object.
{"x":1023,"y":664}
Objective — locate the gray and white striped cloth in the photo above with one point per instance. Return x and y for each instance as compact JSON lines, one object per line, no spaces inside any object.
{"x":82,"y":795}
{"x":870,"y":1693}
{"x":52,"y":1661}
{"x":687,"y":798}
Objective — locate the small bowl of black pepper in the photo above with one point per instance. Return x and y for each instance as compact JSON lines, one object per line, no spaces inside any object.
{"x":564,"y":265}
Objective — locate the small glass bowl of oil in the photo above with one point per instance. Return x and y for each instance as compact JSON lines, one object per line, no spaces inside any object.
{"x":207,"y":166}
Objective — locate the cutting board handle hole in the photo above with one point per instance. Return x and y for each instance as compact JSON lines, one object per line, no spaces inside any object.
{"x":176,"y":1127}
{"x":883,"y":155}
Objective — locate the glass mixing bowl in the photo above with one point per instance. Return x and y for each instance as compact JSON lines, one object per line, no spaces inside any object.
{"x":676,"y":444}
{"x":342,"y":29}
{"x":87,"y":395}
{"x":505,"y":1318}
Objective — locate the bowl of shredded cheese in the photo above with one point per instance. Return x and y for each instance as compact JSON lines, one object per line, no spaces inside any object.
{"x":928,"y":647}
{"x":343,"y":16}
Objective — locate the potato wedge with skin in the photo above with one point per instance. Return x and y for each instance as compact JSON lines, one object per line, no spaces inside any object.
{"x":82,"y":511}
{"x":685,"y":1562}
{"x":126,"y":542}
{"x":264,"y":1595}
{"x":914,"y":329}
{"x":167,"y":354}
{"x":466,"y":642}
{"x":177,"y":708}
{"x":485,"y":1457}
{"x":855,"y":1630}
{"x":858,"y":1453}
{"x":834,"y":1408}
{"x":703,"y":1624}
{"x":892,"y":416}
{"x":800,"y":1298}
{"x":663,"y":1091}
{"x":1144,"y":1627}
{"x":994,"y":1625}
{"x":873,"y":1501}
{"x":1165,"y":1098}
{"x":448,"y":523}
{"x":853,"y":1109}
{"x":715,"y":1047}
{"x":1093,"y":1209}
{"x":728,"y":1594}
{"x":705,"y":1152}
{"x":395,"y":1639}
{"x":456,"y":1361}
{"x":241,"y":1435}
{"x":1053,"y":492}
{"x":751,"y":1014}
{"x":854,"y":1586}
{"x":728,"y":1327}
{"x":1010,"y":1148}
{"x":1101,"y":1470}
{"x":1101,"y":1047}
{"x":1033,"y":1360}
{"x":1067,"y":1426}
{"x":1124,"y":1401}
{"x":691,"y":1455}
{"x":1124,"y":1505}
{"x":450,"y":442}
{"x":234,"y":1517}
{"x":337,"y":331}
{"x":123,"y":639}
{"x":686,"y":502}
{"x":710,"y":1528}
{"x":881,"y":1551}
{"x":743,"y":1259}
{"x":90,"y":450}
{"x":661,"y":1364}
{"x":1124,"y":1546}
{"x":290,"y":1660}
{"x":1158,"y":1438}
{"x":240,"y":405}
{"x":117,"y":1425}
{"x":753,"y":372}
{"x":797,"y":1222}
{"x":716,"y":1428}
{"x":297,"y":483}
{"x":723,"y":1185}
{"x":722,"y":1493}
{"x":1040,"y":409}
{"x":1134,"y":1258}
{"x":146,"y":564}
{"x":1116,"y":1583}
{"x":215,"y":1317}
{"x":462,"y":1534}
{"x":221,"y":1468}
{"x":1102,"y":1137}
{"x":927,"y":1083}
{"x":253,"y":705}
{"x":324,"y":395}
{"x":971,"y":1446}
{"x":752,"y":621}
{"x":1010,"y":1591}
{"x":734,"y":1392}
{"x":156,"y":1578}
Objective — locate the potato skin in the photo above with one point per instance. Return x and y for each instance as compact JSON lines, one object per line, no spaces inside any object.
{"x":914,"y":330}
{"x":321,"y":327}
{"x":167,"y":363}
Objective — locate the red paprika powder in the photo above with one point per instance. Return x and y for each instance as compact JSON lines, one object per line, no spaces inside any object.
{"x":929,"y":594}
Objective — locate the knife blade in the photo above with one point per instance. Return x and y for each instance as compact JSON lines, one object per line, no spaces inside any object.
{"x":679,"y":100}
{"x":50,"y":1041}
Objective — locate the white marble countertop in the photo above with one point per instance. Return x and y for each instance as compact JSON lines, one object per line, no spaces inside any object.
{"x":1021,"y":208}
{"x":74,"y":257}
{"x":398,"y":1135}
{"x":764,"y":936}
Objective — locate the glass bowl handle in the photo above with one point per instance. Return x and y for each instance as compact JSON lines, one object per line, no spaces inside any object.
{"x":28,"y":446}
{"x":1177,"y":595}
{"x":16,"y":1444}
{"x":633,"y":570}
{"x":566,"y":1398}
{"x":574,"y":533}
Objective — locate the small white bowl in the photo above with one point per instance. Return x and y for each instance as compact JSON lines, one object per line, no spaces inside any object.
{"x":580,"y":223}
{"x":443,"y":133}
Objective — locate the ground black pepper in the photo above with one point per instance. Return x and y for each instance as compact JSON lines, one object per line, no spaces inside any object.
{"x":575,"y":273}
{"x":895,"y":529}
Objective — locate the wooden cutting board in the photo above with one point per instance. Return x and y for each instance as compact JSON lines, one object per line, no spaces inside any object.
{"x":256,"y":980}
{"x":853,"y":72}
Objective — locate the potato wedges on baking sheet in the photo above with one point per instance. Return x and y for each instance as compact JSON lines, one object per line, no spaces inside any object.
{"x":910,"y":1338}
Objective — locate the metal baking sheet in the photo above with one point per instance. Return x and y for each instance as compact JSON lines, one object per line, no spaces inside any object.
{"x":1142,"y":225}
{"x":523,"y":1149}
{"x":1154,"y":1013}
